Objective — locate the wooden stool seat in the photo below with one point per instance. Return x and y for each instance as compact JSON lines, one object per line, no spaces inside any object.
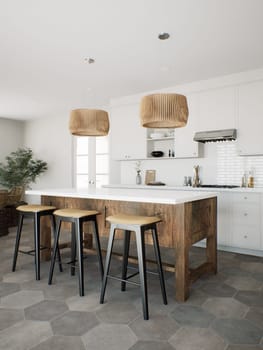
{"x":77,"y":217}
{"x":137,"y":224}
{"x":35,"y":208}
{"x":34,"y":211}
{"x":75,"y":213}
{"x":133,"y":219}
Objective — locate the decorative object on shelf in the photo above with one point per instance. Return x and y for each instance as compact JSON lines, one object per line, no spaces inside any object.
{"x":164,"y":111}
{"x":20,"y":170}
{"x":156,"y":183}
{"x":89,"y":122}
{"x":149,"y":176}
{"x":196,"y":179}
{"x":157,"y":154}
{"x":157,"y":135}
{"x":138,"y":171}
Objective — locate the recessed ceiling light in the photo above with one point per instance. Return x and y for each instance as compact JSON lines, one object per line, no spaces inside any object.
{"x":89,"y":60}
{"x":163,"y":36}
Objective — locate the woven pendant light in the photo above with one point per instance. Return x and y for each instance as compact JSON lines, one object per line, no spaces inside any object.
{"x":89,"y":122}
{"x":164,"y":111}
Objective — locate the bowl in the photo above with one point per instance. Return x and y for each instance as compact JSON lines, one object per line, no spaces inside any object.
{"x":157,"y":153}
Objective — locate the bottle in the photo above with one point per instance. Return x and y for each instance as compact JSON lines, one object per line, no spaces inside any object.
{"x":250,"y":181}
{"x":138,"y":178}
{"x":244,"y":180}
{"x":196,"y":179}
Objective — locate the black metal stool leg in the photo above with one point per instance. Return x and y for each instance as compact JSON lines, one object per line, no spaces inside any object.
{"x":107,"y":263}
{"x":73,"y":249}
{"x":55,"y":249}
{"x":18,"y":236}
{"x":79,"y":244}
{"x":37,"y":244}
{"x":53,"y":223}
{"x":97,"y":239}
{"x":140,"y":241}
{"x":126,"y":247}
{"x":159,"y":263}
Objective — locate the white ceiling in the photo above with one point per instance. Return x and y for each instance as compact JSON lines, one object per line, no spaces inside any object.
{"x":43,"y":45}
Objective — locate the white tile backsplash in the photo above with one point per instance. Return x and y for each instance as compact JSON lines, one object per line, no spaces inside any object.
{"x":219,"y":165}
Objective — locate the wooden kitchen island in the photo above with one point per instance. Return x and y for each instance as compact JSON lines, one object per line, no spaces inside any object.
{"x":187,"y":218}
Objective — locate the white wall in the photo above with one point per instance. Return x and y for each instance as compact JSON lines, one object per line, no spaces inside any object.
{"x":11,"y":136}
{"x":51,"y":141}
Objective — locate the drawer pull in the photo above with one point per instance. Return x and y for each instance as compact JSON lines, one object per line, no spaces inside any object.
{"x":245,"y":197}
{"x":245,"y":236}
{"x":245,"y":214}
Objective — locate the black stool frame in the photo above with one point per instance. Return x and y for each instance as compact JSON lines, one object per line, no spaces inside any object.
{"x":76,"y":246}
{"x":140,"y":242}
{"x":37,"y":248}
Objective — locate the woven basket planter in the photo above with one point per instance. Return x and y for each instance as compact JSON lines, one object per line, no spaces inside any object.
{"x":3,"y":198}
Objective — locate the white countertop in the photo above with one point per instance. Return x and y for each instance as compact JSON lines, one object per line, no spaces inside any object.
{"x":186,"y":188}
{"x":128,"y":194}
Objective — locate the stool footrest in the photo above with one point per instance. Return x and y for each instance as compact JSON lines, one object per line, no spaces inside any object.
{"x":122,"y":280}
{"x":31,"y":252}
{"x":147,"y":271}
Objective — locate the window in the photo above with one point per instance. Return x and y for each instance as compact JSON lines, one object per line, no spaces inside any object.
{"x":91,"y":161}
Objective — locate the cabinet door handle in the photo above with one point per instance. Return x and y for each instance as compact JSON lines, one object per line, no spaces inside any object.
{"x":245,"y":197}
{"x":245,"y":236}
{"x":245,"y":214}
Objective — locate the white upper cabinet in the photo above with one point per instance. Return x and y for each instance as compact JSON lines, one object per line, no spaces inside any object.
{"x":217,"y":109}
{"x":128,"y":138}
{"x":250,"y":118}
{"x":184,"y":146}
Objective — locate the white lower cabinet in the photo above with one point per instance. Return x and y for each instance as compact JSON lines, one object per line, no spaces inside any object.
{"x":239,"y":221}
{"x":224,"y":209}
{"x":246,"y":221}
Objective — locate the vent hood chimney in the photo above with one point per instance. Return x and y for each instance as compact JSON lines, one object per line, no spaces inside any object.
{"x":216,"y":135}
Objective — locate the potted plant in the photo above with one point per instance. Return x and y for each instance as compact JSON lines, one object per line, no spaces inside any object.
{"x":19,"y":170}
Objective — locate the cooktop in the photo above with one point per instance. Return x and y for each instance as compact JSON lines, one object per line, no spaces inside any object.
{"x":220,"y":186}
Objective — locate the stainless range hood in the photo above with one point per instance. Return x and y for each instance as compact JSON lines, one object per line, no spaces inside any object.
{"x":216,"y":135}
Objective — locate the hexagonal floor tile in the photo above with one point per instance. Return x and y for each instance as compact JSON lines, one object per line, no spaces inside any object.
{"x":215,"y":290}
{"x":196,"y":339}
{"x":255,"y":315}
{"x":110,"y":337}
{"x":237,"y":331}
{"x":8,"y":288}
{"x":253,"y":267}
{"x":74,"y":323}
{"x":21,"y":299}
{"x":19,"y":276}
{"x":225,"y":307}
{"x":45,"y":310}
{"x":115,"y":312}
{"x":244,"y":347}
{"x":192,"y":315}
{"x":9,"y":317}
{"x":250,"y":298}
{"x":158,"y":327}
{"x":60,"y":342}
{"x":151,"y":345}
{"x":24,"y":335}
{"x":243,"y":283}
{"x":89,"y":302}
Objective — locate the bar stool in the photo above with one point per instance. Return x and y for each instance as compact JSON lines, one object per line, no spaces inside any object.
{"x":35,"y":211}
{"x":77,"y":217}
{"x":138,"y":224}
